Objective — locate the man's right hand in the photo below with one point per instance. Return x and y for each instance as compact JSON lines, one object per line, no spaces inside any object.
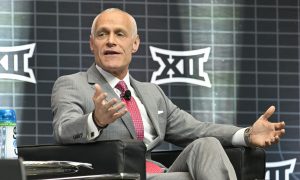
{"x":105,"y":111}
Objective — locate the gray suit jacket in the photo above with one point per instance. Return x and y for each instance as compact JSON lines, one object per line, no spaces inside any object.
{"x":72,"y":103}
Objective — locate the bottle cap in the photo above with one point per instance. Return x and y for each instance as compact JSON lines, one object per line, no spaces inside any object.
{"x":7,"y":115}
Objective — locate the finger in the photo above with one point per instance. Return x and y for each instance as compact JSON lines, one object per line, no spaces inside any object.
{"x":269,"y":112}
{"x":120,"y":113}
{"x":99,"y":100}
{"x":117,"y":107}
{"x":268,"y":142}
{"x":276,"y":139}
{"x":110,"y":104}
{"x":279,"y":125}
{"x":98,"y":90}
{"x":272,"y":139}
{"x":280,"y":132}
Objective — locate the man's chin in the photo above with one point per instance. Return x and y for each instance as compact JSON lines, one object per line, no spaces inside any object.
{"x":115,"y":70}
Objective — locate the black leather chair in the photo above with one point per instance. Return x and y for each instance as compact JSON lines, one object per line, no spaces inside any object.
{"x":106,"y":157}
{"x":249,"y":164}
{"x":128,"y":156}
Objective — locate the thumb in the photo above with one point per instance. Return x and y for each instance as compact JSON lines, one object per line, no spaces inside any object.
{"x":98,"y":90}
{"x":269,"y":112}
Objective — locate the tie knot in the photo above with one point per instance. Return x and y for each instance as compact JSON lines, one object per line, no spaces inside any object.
{"x":121,"y":86}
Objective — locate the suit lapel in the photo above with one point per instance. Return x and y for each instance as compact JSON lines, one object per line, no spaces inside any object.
{"x":94,"y":76}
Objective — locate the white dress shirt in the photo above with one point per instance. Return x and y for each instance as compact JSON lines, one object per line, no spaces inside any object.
{"x":149,"y":132}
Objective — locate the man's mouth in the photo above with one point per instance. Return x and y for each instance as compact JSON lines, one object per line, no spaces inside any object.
{"x":111,"y":52}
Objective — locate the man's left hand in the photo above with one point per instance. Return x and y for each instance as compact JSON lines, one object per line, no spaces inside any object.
{"x":264,"y":133}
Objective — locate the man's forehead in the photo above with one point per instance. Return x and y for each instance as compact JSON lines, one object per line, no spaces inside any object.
{"x":116,"y":19}
{"x":108,"y":24}
{"x":114,"y":25}
{"x":114,"y":16}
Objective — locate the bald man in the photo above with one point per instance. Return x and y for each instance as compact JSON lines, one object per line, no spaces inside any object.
{"x":93,"y":106}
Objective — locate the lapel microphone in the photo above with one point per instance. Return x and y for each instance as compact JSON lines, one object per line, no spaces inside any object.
{"x":127,"y":95}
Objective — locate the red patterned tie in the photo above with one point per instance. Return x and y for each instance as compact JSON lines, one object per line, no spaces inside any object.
{"x":137,"y":122}
{"x":133,"y":110}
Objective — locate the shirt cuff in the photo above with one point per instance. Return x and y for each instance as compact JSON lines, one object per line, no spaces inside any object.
{"x":238,"y":138}
{"x":92,"y":130}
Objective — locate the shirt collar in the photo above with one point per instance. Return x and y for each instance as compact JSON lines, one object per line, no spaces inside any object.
{"x":111,"y":79}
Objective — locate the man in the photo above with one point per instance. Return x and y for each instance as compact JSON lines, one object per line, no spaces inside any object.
{"x":87,"y":107}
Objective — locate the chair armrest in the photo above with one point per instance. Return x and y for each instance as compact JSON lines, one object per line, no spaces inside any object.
{"x":106,"y":157}
{"x":248,"y":163}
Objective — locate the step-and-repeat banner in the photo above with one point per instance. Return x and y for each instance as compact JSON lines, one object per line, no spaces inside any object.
{"x":224,"y":61}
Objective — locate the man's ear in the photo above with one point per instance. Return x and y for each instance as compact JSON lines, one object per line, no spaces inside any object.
{"x":136,"y":44}
{"x":91,"y":43}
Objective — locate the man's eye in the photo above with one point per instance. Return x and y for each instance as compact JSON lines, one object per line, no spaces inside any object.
{"x":100,"y":34}
{"x":120,"y":34}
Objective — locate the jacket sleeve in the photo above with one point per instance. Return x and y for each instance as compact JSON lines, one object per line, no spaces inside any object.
{"x":70,"y":110}
{"x":182,"y":128}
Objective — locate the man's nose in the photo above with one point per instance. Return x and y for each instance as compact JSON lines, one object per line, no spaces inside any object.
{"x":111,"y":41}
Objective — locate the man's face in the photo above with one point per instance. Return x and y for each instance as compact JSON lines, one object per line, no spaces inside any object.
{"x":114,"y":42}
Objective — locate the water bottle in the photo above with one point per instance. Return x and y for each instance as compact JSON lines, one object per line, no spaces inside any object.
{"x":8,"y":132}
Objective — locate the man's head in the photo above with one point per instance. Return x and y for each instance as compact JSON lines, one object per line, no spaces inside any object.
{"x":113,"y":40}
